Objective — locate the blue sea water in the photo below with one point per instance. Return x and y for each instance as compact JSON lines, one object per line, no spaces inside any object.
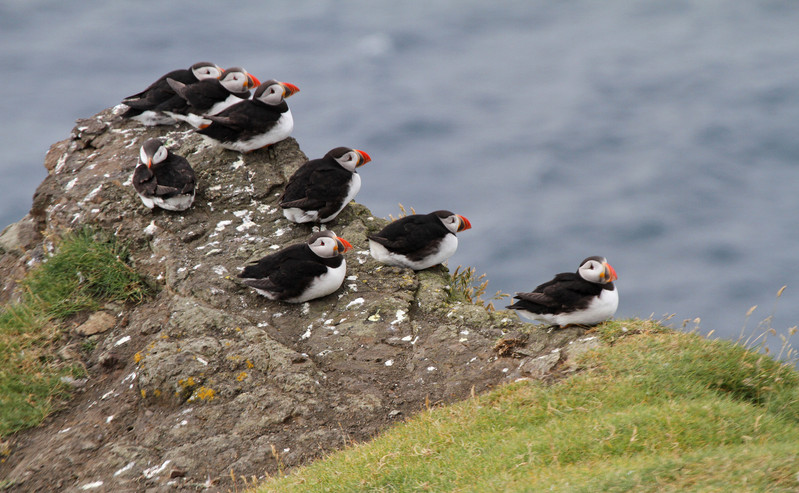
{"x":662,"y":135}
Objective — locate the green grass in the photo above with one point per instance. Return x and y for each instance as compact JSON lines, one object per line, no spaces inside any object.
{"x":658,"y":410}
{"x":88,"y":268}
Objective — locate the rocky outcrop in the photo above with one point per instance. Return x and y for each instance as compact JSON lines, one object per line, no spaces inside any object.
{"x":207,"y":379}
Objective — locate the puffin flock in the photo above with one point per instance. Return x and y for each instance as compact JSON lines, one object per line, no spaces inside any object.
{"x":217,"y":103}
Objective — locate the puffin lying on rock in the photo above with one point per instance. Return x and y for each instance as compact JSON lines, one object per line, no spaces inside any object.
{"x":254,"y":123}
{"x":586,"y":297}
{"x":321,"y":188}
{"x":300,"y":272}
{"x":418,"y":241}
{"x":148,"y":106}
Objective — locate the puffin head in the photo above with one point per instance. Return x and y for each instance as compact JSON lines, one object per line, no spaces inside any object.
{"x":152,"y":152}
{"x":206,"y":70}
{"x":349,"y":159}
{"x":326,"y":244}
{"x":237,"y":79}
{"x":598,"y":270}
{"x":273,"y":92}
{"x":453,"y":222}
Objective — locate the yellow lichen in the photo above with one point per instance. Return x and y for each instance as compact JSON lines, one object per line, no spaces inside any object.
{"x":241,"y":376}
{"x":137,"y":357}
{"x":204,"y":393}
{"x":157,"y":393}
{"x":143,"y":393}
{"x":249,"y":364}
{"x":187,"y":382}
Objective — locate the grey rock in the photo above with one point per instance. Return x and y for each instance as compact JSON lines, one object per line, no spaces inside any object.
{"x":97,"y":323}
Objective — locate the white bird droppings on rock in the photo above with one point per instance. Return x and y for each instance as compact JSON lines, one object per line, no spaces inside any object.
{"x":91,"y":486}
{"x":71,"y":184}
{"x":246,"y":223}
{"x":61,"y":162}
{"x":431,"y":368}
{"x":221,"y":225}
{"x":306,"y":334}
{"x":400,"y":316}
{"x":125,"y":469}
{"x":220,"y":270}
{"x":151,"y":229}
{"x":92,"y":194}
{"x":122,"y":341}
{"x":155,"y":470}
{"x":109,"y":419}
{"x":355,"y":302}
{"x":390,"y":362}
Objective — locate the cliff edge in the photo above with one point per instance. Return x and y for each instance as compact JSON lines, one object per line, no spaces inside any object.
{"x":207,"y":379}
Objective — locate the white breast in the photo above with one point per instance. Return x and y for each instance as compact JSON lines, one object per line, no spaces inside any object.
{"x":601,"y":308}
{"x":323,"y":285}
{"x":176,"y":203}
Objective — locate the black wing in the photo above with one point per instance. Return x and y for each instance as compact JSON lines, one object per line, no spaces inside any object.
{"x":565,"y":292}
{"x":175,"y":176}
{"x":202,"y":95}
{"x":144,"y":181}
{"x":285,"y":273}
{"x":410,"y":233}
{"x":316,"y":187}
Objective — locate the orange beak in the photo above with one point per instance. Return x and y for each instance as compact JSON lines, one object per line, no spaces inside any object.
{"x":611,"y":272}
{"x":365,"y":158}
{"x":253,"y":81}
{"x":465,"y":224}
{"x":342,"y":244}
{"x":150,"y":162}
{"x":289,"y":89}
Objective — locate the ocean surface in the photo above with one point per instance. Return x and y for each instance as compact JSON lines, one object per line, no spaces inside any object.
{"x":662,"y":135}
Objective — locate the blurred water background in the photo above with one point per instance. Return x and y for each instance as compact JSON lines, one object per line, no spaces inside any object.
{"x":662,"y":135}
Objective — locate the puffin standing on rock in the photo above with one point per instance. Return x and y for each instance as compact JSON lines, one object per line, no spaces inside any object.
{"x":586,"y":297}
{"x":300,"y":272}
{"x":321,"y":188}
{"x":254,"y":123}
{"x":211,"y":96}
{"x":163,"y":179}
{"x":149,"y":105}
{"x":418,"y":241}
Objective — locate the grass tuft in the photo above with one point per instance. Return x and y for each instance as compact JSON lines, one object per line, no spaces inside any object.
{"x":88,"y":269}
{"x":466,"y":286}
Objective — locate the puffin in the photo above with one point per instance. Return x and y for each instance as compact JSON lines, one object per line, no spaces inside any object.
{"x":321,"y":188}
{"x":254,"y":123}
{"x":149,"y":105}
{"x":300,"y":272}
{"x":163,"y":179}
{"x":585,"y":297}
{"x":211,"y":96}
{"x":418,"y":241}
